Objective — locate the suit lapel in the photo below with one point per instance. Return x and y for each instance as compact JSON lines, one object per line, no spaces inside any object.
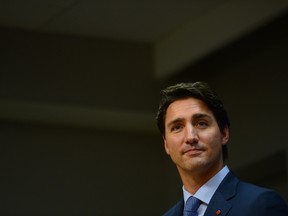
{"x":179,"y":208}
{"x":176,"y":210}
{"x":219,"y":205}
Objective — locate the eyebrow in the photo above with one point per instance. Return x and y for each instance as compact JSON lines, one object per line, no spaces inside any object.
{"x":175,"y":121}
{"x":195,"y":116}
{"x":201,"y":115}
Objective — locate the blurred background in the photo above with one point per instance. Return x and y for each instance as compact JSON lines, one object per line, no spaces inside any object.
{"x":80,"y":82}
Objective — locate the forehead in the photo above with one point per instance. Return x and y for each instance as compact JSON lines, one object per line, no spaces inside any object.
{"x":188,"y":106}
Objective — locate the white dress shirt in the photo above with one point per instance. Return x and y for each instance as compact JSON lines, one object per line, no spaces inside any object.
{"x":206,"y":191}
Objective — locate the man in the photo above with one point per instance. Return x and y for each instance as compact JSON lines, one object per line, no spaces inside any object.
{"x":195,"y":130}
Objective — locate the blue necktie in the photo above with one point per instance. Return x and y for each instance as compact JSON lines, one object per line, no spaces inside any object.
{"x":192,"y":204}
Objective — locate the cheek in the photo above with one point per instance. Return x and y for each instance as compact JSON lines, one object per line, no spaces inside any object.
{"x":166,"y":146}
{"x":212,"y":139}
{"x":175,"y":140}
{"x":172,"y":143}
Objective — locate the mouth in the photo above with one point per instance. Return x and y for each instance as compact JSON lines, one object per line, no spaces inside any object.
{"x":192,"y":151}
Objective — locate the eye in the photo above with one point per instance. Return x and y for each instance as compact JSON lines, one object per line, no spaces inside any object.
{"x":176,"y":127}
{"x":202,"y":124}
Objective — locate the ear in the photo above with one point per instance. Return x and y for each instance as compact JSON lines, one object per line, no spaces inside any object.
{"x":225,"y":136}
{"x":166,"y":146}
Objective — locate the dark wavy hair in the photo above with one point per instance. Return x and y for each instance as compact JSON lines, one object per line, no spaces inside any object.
{"x":198,"y":90}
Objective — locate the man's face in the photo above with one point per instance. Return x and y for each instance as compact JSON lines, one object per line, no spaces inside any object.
{"x":192,"y":137}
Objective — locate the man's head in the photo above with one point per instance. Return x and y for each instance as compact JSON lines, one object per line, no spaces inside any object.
{"x":197,"y":90}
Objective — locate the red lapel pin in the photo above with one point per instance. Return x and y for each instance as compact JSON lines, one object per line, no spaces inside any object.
{"x":218,"y":212}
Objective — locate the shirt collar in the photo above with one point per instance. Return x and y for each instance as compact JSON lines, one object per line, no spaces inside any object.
{"x":206,"y":191}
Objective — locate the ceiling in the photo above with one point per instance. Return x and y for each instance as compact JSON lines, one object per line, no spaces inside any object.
{"x":181,"y":31}
{"x":145,"y":21}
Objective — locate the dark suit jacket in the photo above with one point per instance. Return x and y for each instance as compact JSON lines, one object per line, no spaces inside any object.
{"x":237,"y":198}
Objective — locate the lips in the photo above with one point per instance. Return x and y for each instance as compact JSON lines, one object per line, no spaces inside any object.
{"x":192,"y":151}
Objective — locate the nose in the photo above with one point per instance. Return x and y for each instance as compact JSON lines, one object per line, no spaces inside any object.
{"x":191,"y":136}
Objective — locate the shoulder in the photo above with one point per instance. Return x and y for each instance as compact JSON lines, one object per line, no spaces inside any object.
{"x":262,"y":201}
{"x":259,"y":200}
{"x":255,"y":190}
{"x":176,"y":210}
{"x":251,"y":199}
{"x":261,"y":194}
{"x":234,"y":185}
